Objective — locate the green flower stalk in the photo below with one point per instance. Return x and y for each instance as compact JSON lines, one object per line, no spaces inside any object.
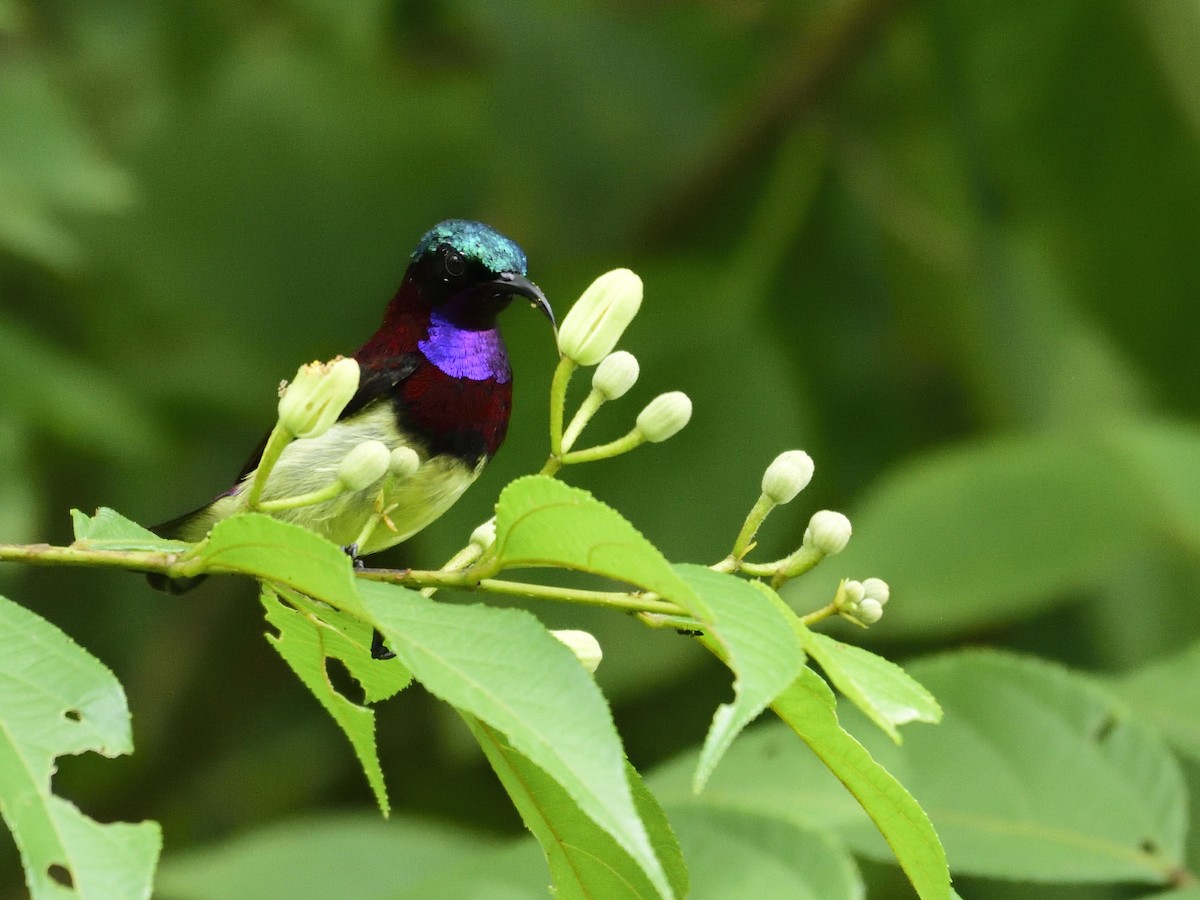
{"x":789,"y":474}
{"x":613,"y":378}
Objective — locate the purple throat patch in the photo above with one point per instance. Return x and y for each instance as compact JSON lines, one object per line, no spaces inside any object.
{"x":461,"y":353}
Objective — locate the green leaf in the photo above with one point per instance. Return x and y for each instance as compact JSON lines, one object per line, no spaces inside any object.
{"x":21,"y":509}
{"x":109,"y":530}
{"x":733,"y":853}
{"x":936,"y":529}
{"x":47,"y":167}
{"x":584,"y":860}
{"x":808,"y":707}
{"x":504,"y":668}
{"x":1165,"y":458}
{"x":57,"y":699}
{"x":302,"y":644}
{"x":767,"y":772}
{"x":542,"y":522}
{"x":347,"y":638}
{"x":762,"y":651}
{"x":256,"y":544}
{"x":1035,"y":774}
{"x":76,"y":401}
{"x":881,"y":689}
{"x":1166,"y":694}
{"x":336,"y":855}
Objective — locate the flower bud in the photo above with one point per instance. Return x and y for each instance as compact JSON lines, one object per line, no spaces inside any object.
{"x":600,"y":316}
{"x":664,"y":416}
{"x":364,"y":465}
{"x":877,"y":589}
{"x":850,"y":595}
{"x":485,"y":535}
{"x":585,"y":647}
{"x":827,"y":532}
{"x":403,"y":463}
{"x":869,"y":611}
{"x":787,"y":476}
{"x":615,"y":375}
{"x":317,"y":396}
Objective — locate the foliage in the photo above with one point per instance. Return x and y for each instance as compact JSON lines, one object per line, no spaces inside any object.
{"x":948,"y":248}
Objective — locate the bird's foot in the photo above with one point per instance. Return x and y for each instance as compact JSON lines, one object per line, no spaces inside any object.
{"x":351,"y":551}
{"x":378,"y":649}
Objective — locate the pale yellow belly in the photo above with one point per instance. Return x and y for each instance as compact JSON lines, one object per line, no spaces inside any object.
{"x":311,"y":464}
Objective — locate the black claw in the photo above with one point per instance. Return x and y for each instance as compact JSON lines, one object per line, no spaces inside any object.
{"x":378,"y":650}
{"x":352,"y":552}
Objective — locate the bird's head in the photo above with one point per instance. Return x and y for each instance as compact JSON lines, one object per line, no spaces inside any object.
{"x":470,"y":273}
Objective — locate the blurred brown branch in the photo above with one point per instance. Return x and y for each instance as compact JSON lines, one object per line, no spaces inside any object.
{"x":810,"y":70}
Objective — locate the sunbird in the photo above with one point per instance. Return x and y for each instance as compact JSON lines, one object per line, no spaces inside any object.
{"x":435,"y":378}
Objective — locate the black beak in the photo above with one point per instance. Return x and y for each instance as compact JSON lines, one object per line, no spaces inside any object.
{"x":520,"y":286}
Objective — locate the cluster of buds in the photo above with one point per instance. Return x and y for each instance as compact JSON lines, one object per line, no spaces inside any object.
{"x":827,"y":534}
{"x":588,"y":336}
{"x":862,"y":602}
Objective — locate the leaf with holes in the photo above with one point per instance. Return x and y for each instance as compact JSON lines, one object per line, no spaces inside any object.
{"x":1036,"y":774}
{"x":304,"y":643}
{"x":57,"y":699}
{"x":1166,"y":694}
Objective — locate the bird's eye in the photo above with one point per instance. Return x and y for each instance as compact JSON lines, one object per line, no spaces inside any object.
{"x":455,"y":264}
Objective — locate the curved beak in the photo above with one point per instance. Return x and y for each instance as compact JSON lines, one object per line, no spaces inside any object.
{"x":520,"y":286}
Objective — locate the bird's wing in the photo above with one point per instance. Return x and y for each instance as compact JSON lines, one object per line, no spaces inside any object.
{"x":378,"y":378}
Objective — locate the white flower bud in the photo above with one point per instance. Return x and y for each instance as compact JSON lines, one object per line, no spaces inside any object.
{"x":364,"y":465}
{"x":869,"y":611}
{"x":787,"y":476}
{"x":850,"y":595}
{"x":485,"y":535}
{"x":316,"y":397}
{"x":616,"y":374}
{"x":585,"y":647}
{"x":877,"y":589}
{"x":600,"y":316}
{"x":664,"y":416}
{"x":827,"y":532}
{"x":403,"y":463}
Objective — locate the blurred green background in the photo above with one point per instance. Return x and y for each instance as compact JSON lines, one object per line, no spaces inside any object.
{"x":951,"y":249}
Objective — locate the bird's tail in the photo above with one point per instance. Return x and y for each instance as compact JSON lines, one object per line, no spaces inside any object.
{"x":173,"y":530}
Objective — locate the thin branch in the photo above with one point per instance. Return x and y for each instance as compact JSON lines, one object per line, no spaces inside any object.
{"x":812,"y":70}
